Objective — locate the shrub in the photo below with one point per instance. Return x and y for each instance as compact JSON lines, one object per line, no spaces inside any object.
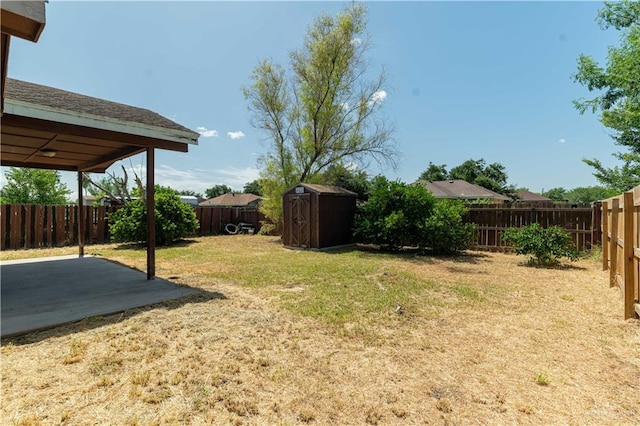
{"x":445,"y":232}
{"x":545,"y":246}
{"x":175,"y":219}
{"x":394,"y":216}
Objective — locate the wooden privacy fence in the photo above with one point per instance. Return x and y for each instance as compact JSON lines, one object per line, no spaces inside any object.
{"x":36,"y":226}
{"x":492,"y":220}
{"x":24,"y":226}
{"x":214,"y":219}
{"x":621,"y":247}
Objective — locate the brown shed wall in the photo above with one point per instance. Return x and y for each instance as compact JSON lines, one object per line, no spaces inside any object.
{"x":317,"y":220}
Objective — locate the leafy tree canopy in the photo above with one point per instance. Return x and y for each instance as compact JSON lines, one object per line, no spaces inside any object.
{"x":435,"y":173}
{"x":253,"y":187}
{"x":348,"y":178}
{"x":33,"y":186}
{"x":617,"y":85}
{"x":217,"y":190}
{"x":556,"y":194}
{"x":491,"y":176}
{"x":322,"y":109}
{"x":190,"y":192}
{"x":581,"y":194}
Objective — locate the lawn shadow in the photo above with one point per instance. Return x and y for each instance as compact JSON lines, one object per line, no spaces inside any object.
{"x":422,"y":256}
{"x":558,"y":267}
{"x":139,"y":246}
{"x":98,"y":321}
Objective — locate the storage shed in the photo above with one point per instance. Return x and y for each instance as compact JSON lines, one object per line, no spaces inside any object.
{"x":318,"y":216}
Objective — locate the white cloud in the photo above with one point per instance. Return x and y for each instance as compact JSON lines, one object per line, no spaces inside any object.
{"x":562,"y":140}
{"x":235,"y":135}
{"x":378,"y":96}
{"x":356,"y":41}
{"x":206,"y":133}
{"x":236,"y":177}
{"x":351,"y":166}
{"x":199,"y":180}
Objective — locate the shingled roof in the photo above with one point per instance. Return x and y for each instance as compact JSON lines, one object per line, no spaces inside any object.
{"x":232,"y":200}
{"x":328,"y":189}
{"x":525,"y":195}
{"x":32,"y":93}
{"x":460,"y":189}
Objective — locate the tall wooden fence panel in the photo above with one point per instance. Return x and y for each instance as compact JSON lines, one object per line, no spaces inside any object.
{"x":621,"y":247}
{"x":24,"y":226}
{"x":214,"y":219}
{"x":583,"y":223}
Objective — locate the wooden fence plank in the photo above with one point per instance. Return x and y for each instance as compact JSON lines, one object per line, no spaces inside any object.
{"x":613,"y":245}
{"x":59,"y":223}
{"x":3,"y":226}
{"x":628,"y":238}
{"x":16,"y":226}
{"x":28,"y":225}
{"x":605,"y":234}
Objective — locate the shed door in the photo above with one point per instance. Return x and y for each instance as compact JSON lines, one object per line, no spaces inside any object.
{"x":300,"y":228}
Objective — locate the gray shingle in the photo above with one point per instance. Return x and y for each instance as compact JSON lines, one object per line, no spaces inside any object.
{"x":61,"y":99}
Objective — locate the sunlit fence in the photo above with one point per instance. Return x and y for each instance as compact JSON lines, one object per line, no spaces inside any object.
{"x":621,"y":247}
{"x":24,"y":226}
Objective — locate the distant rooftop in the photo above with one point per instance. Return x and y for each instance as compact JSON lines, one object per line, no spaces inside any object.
{"x":232,"y":200}
{"x":460,"y":189}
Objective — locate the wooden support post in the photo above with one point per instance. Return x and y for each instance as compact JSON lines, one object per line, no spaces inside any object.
{"x":613,"y":247}
{"x":151,"y":218}
{"x":81,"y":225}
{"x":627,"y":257}
{"x":605,"y":241}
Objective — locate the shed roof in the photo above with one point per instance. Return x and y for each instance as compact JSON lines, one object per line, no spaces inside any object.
{"x":460,"y":189}
{"x":326,"y":189}
{"x":231,"y":200}
{"x":526,"y":195}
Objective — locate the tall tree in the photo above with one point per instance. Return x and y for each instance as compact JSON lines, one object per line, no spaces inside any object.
{"x":254,"y":187}
{"x":190,"y":192}
{"x":217,"y":190}
{"x":435,"y":173}
{"x":348,"y":178}
{"x":492,"y":176}
{"x":556,"y":194}
{"x":589,"y":194}
{"x":322,"y":110}
{"x":618,"y":88}
{"x":33,"y":186}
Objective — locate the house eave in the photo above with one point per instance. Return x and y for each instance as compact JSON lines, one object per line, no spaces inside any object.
{"x":43,"y":112}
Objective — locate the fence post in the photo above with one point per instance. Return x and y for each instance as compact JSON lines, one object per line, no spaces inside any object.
{"x":613,"y":247}
{"x":605,"y":241}
{"x":628,"y":240}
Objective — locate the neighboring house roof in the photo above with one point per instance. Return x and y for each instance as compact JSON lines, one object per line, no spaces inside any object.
{"x":232,"y":200}
{"x":326,"y":189}
{"x":32,"y":93}
{"x":460,"y":189}
{"x":525,"y":195}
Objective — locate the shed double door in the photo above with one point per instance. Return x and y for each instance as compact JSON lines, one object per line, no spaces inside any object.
{"x":300,"y":211}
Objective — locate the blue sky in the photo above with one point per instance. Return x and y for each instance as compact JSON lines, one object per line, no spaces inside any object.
{"x":466,"y":80}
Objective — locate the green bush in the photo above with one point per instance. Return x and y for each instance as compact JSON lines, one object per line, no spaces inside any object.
{"x":445,"y":231}
{"x":174,"y":220}
{"x":394,"y":216}
{"x":545,"y":246}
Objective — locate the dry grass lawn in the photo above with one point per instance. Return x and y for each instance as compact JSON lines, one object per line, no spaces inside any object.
{"x":293,"y":337}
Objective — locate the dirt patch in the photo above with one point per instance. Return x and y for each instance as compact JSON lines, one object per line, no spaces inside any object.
{"x":481,"y":340}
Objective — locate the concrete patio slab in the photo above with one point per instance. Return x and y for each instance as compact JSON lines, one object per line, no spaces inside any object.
{"x":45,"y":292}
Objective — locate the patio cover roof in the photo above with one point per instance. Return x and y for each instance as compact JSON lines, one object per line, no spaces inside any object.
{"x":48,"y":128}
